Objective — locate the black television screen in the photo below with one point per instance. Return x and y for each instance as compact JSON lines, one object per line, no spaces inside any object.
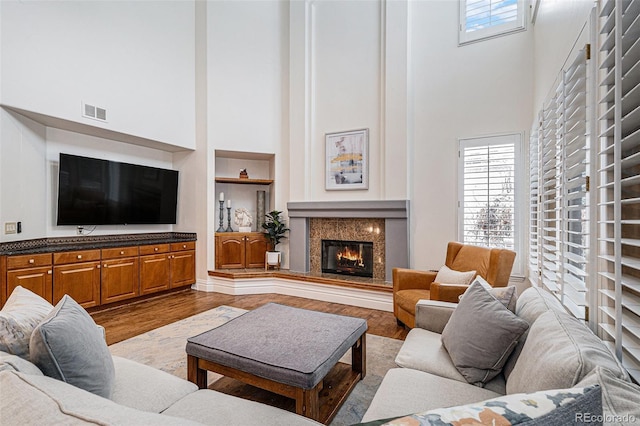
{"x":102,"y":192}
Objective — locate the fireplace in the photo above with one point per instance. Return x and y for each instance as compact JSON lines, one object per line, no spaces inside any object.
{"x":347,"y":257}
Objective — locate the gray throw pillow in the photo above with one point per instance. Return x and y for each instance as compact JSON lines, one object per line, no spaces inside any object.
{"x":506,"y":295}
{"x":67,"y":345}
{"x":22,"y":312}
{"x":480,"y":335}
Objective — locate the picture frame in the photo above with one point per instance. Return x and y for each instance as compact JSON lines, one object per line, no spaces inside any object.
{"x":347,"y":160}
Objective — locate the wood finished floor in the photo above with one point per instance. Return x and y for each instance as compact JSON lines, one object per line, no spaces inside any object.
{"x":127,"y":321}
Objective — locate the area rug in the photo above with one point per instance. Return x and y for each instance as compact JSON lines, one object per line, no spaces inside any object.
{"x":164,"y":349}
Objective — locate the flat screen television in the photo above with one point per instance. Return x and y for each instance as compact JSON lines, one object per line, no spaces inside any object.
{"x":101,"y":192}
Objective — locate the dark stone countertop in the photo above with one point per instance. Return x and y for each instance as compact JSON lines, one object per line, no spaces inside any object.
{"x":58,"y":244}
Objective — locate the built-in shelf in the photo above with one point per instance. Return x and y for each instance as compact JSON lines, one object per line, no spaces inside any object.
{"x":244,"y":181}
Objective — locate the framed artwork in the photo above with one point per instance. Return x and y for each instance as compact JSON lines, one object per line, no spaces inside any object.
{"x":347,"y":160}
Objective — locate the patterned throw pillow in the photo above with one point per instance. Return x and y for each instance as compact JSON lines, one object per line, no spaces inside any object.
{"x":447,"y":275}
{"x":22,"y":312}
{"x":576,"y":406}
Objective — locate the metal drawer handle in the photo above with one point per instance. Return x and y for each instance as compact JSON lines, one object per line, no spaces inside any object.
{"x":155,"y":249}
{"x":32,"y":261}
{"x":79,"y":256}
{"x":184,"y":246}
{"x":122,"y":252}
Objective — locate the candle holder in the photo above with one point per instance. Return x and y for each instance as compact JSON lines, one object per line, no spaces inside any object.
{"x":229,"y":229}
{"x":221,"y":228}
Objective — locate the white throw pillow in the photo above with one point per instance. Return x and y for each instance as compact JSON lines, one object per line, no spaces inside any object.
{"x":22,"y":312}
{"x":449,"y":276}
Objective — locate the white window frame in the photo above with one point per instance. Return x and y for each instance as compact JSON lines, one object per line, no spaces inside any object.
{"x":464,"y":37}
{"x":520,"y":192}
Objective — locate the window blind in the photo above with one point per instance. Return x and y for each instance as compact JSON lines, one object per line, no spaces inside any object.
{"x":488,"y":182}
{"x":619,"y":181}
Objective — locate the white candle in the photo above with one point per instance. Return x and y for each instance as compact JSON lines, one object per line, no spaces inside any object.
{"x":228,"y":204}
{"x":222,"y":196}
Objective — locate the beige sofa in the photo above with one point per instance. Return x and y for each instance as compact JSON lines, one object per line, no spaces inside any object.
{"x":141,"y":396}
{"x":557,"y":352}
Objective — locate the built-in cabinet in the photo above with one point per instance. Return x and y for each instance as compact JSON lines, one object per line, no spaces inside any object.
{"x":237,"y":250}
{"x":101,"y":276}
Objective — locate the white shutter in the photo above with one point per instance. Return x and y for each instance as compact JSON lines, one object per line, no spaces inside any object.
{"x":619,"y":181}
{"x":534,"y":197}
{"x":487,"y":193}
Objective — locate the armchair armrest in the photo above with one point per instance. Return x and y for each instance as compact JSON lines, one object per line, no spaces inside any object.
{"x":447,"y":292}
{"x":404,"y":279}
{"x":433,"y":315}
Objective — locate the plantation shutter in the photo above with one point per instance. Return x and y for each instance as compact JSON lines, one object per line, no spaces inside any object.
{"x":534,"y":197}
{"x":619,"y":181}
{"x":487,"y":196}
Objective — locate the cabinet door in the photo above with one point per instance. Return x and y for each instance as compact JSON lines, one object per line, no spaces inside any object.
{"x":81,"y":281}
{"x":120,"y":279}
{"x":155,"y":273}
{"x":230,"y":252}
{"x":256,"y":247}
{"x":37,"y":280}
{"x":183,"y":268}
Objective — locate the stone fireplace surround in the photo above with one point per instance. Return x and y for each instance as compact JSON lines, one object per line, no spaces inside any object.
{"x":394,"y":214}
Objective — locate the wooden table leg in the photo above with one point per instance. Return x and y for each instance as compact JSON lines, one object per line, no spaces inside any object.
{"x":194,"y":373}
{"x":359,"y":356}
{"x":307,"y":402}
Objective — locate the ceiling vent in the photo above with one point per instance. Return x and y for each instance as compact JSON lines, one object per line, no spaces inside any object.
{"x":94,"y":112}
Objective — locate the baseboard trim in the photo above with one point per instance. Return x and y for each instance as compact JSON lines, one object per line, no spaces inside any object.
{"x":371,"y":299}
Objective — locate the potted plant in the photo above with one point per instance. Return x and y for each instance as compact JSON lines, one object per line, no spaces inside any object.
{"x":275,"y":228}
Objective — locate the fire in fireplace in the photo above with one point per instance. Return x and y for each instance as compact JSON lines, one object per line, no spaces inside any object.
{"x":347,"y":257}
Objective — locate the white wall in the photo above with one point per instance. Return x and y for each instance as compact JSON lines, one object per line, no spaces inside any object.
{"x":556,"y":29}
{"x":478,"y":89}
{"x":136,"y":59}
{"x":22,"y":176}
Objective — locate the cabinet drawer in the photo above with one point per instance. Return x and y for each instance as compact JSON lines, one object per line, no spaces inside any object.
{"x":154,"y":249}
{"x":28,"y":261}
{"x":76,"y":256}
{"x":188,"y":245}
{"x":119,"y":252}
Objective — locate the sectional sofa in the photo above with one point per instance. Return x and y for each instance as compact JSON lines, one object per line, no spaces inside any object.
{"x":556,"y":351}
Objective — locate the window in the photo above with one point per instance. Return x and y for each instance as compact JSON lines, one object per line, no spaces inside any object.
{"x":488,"y":214}
{"x":482,"y":19}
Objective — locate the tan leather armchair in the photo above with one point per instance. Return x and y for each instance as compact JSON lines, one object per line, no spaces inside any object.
{"x":410,"y":285}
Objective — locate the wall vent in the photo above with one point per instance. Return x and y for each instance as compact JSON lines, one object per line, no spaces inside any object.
{"x":94,"y":112}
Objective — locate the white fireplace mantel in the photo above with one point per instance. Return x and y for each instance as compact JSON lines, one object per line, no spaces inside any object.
{"x":394,"y":212}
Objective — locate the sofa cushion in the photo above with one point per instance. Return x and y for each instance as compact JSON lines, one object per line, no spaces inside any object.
{"x":21,"y":313}
{"x":423,"y":350}
{"x":559,"y":352}
{"x":620,"y":398}
{"x":447,"y":275}
{"x":42,"y":400}
{"x":216,"y":408}
{"x":15,"y":363}
{"x":481,"y":334}
{"x":68,"y":346}
{"x":552,"y":407}
{"x":532,"y":303}
{"x":146,"y":388}
{"x":404,"y":391}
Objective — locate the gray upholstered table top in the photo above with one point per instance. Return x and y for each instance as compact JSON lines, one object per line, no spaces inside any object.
{"x":289,"y":345}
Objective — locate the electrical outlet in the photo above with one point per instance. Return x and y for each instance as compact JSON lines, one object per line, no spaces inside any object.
{"x":10,"y":227}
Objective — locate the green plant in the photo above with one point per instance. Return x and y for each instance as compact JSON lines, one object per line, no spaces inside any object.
{"x":275,"y":228}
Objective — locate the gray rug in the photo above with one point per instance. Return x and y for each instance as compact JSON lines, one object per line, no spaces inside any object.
{"x":163,"y":348}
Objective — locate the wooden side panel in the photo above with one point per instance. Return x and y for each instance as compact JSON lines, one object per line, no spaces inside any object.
{"x":3,"y":280}
{"x":183,"y":268}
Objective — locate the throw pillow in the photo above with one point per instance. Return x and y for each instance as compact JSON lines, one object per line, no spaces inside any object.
{"x":449,"y":276}
{"x":506,"y":295}
{"x":552,"y":407}
{"x":67,"y":345}
{"x":22,"y":312}
{"x":620,"y":398}
{"x":480,"y":335}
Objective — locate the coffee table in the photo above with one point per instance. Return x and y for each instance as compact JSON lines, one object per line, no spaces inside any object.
{"x":285,"y":350}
